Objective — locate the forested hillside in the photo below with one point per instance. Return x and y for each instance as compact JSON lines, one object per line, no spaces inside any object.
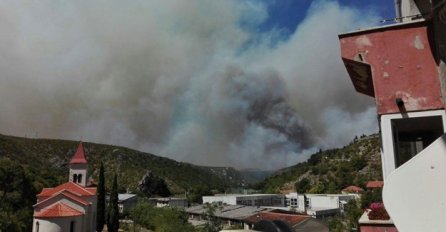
{"x":331,"y":170}
{"x":50,"y":157}
{"x":28,"y":165}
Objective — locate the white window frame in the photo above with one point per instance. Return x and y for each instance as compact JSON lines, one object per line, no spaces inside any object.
{"x":387,"y":143}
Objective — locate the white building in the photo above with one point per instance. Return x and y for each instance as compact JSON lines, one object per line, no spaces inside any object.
{"x":248,"y":199}
{"x":170,"y":201}
{"x":318,"y":205}
{"x":69,"y":207}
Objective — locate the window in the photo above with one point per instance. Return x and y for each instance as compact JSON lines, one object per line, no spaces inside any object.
{"x":72,"y":226}
{"x":412,"y":135}
{"x":79,"y":178}
{"x":307,"y":202}
{"x":75,"y":178}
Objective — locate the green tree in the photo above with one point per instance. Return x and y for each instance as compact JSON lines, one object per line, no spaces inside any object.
{"x":113,"y":209}
{"x":195,"y":194}
{"x":17,"y":194}
{"x":319,"y":187}
{"x":153,"y":185}
{"x":170,"y":219}
{"x":302,"y":186}
{"x":370,"y":196}
{"x":100,"y":221}
{"x":167,"y":219}
{"x":352,"y":213}
{"x":142,"y":214}
{"x":213,"y":224}
{"x":335,"y":224}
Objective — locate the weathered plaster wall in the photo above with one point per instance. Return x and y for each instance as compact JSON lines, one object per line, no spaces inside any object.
{"x":403,"y":66}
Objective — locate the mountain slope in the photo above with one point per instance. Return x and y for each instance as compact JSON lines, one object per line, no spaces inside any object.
{"x":52,"y":156}
{"x":332,"y":170}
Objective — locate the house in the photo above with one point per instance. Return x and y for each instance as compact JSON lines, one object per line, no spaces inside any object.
{"x":126,"y":201}
{"x":375,"y":184}
{"x":352,"y":189}
{"x":403,"y":67}
{"x":70,"y":206}
{"x":247,"y":199}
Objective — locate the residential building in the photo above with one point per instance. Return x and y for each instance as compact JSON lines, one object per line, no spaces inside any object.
{"x":70,"y":206}
{"x":403,"y":66}
{"x":352,"y":189}
{"x":375,"y":184}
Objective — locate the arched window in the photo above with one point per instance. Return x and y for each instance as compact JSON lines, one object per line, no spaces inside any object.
{"x":75,"y":178}
{"x":37,"y":226}
{"x":79,"y":178}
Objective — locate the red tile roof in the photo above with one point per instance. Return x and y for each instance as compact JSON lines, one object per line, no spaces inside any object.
{"x":67,"y":194}
{"x":353,"y":189}
{"x":375,"y":184}
{"x":58,"y":210}
{"x":290,"y":219}
{"x":79,"y":156}
{"x":69,"y":186}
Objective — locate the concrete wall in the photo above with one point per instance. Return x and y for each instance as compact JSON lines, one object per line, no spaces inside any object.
{"x":377,"y":228}
{"x":76,"y":169}
{"x":323,"y":201}
{"x":402,"y":64}
{"x":59,"y":224}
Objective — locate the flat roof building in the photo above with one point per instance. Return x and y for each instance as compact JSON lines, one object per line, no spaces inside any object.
{"x":247,"y":199}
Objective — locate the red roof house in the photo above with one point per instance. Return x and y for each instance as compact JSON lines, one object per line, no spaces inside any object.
{"x":375,"y":184}
{"x":353,"y":189}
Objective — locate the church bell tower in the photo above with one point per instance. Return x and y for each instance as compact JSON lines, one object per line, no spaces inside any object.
{"x":79,"y":167}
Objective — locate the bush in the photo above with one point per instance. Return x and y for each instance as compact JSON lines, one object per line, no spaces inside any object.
{"x":378,"y":212}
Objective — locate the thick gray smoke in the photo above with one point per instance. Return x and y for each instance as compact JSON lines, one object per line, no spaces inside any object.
{"x":191,"y":80}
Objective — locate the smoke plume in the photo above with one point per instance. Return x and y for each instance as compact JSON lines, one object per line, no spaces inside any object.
{"x":191,"y":80}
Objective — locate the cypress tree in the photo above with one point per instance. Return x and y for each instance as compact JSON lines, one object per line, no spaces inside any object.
{"x":100,"y":221}
{"x":113,"y":209}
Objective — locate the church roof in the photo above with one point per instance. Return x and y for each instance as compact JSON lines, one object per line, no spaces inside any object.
{"x":58,"y":210}
{"x":66,"y":194}
{"x":71,"y":187}
{"x":79,"y":156}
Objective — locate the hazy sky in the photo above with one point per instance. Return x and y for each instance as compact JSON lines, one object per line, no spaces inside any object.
{"x":243,"y":83}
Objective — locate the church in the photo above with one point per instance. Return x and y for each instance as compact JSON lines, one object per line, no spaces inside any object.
{"x":71,"y":206}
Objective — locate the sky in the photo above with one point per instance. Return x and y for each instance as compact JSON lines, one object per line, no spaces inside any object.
{"x":241,"y":83}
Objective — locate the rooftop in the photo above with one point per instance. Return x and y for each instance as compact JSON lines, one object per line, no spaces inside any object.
{"x":238,"y":212}
{"x":79,"y":156}
{"x":375,"y":184}
{"x":69,"y":186}
{"x":58,"y":210}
